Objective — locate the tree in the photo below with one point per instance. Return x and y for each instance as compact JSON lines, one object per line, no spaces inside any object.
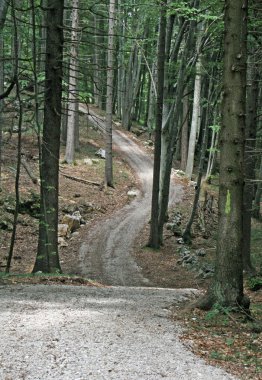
{"x":196,"y":110}
{"x":47,"y":259}
{"x":154,"y":238}
{"x":109,"y":96}
{"x":72,"y":87}
{"x":3,"y":11}
{"x":227,"y":286}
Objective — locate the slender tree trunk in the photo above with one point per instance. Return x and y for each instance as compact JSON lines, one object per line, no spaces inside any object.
{"x":109,"y":96}
{"x":195,"y":113}
{"x":47,"y":259}
{"x":250,"y":161}
{"x":19,"y":143}
{"x":3,"y":11}
{"x":256,"y":206}
{"x":184,"y":131}
{"x":169,"y":136}
{"x":187,"y":232}
{"x":131,"y":86}
{"x":72,"y":95}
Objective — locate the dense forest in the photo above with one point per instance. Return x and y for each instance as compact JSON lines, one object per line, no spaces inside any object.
{"x":185,"y":73}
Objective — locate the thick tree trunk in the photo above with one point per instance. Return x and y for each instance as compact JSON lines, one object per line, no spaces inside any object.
{"x":227,"y":286}
{"x":154,"y":238}
{"x":47,"y":259}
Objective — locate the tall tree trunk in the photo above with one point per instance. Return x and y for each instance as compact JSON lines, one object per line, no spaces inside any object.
{"x":169,"y":134}
{"x":250,"y":161}
{"x":3,"y":11}
{"x":47,"y":259}
{"x":72,"y":90}
{"x":184,"y":131}
{"x":19,"y":142}
{"x":227,"y":285}
{"x":195,"y":113}
{"x":131,"y":86}
{"x":154,"y":238}
{"x":109,"y":96}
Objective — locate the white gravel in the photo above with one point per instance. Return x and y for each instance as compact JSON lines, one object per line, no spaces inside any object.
{"x":82,"y":333}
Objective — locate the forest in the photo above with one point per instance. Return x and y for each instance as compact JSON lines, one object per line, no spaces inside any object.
{"x":183,"y":78}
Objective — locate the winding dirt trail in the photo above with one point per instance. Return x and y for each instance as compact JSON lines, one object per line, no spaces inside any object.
{"x":105,"y":256}
{"x":116,"y":333}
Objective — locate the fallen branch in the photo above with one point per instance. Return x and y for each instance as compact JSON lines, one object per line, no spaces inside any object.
{"x":80,"y":179}
{"x":29,"y":172}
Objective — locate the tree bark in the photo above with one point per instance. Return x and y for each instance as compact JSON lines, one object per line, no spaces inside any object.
{"x":196,"y":112}
{"x":109,"y":96}
{"x":3,"y":11}
{"x":227,"y":286}
{"x":154,"y":238}
{"x":72,"y":89}
{"x":250,"y":162}
{"x":47,"y":259}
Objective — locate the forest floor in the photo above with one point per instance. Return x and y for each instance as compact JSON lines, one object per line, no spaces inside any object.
{"x":221,"y":340}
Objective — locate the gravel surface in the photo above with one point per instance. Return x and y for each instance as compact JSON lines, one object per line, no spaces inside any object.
{"x":82,"y":333}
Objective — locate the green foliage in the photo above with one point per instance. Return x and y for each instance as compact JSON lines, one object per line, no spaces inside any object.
{"x":216,"y":128}
{"x":255,"y":283}
{"x":219,"y":312}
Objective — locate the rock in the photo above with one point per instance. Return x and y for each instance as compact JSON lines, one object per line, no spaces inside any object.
{"x":63,"y":230}
{"x":86,"y":207}
{"x":133,"y":193}
{"x":177,"y":231}
{"x":201,"y":252}
{"x":70,"y":209}
{"x":72,"y":221}
{"x":62,"y":242}
{"x":101,"y":153}
{"x":184,"y":251}
{"x":190,"y":260}
{"x":76,"y":233}
{"x":88,"y":161}
{"x":180,"y":173}
{"x":193,"y":184}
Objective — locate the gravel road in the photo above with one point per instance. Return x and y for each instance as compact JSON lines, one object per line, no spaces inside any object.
{"x":89,"y":333}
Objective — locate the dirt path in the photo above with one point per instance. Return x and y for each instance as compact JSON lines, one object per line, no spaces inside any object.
{"x":52,"y":332}
{"x":106,"y":254}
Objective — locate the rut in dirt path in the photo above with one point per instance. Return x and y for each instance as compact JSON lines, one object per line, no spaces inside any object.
{"x":105,"y":256}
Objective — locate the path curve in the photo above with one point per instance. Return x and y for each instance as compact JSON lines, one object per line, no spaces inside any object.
{"x":106,"y":254}
{"x":95,"y":333}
